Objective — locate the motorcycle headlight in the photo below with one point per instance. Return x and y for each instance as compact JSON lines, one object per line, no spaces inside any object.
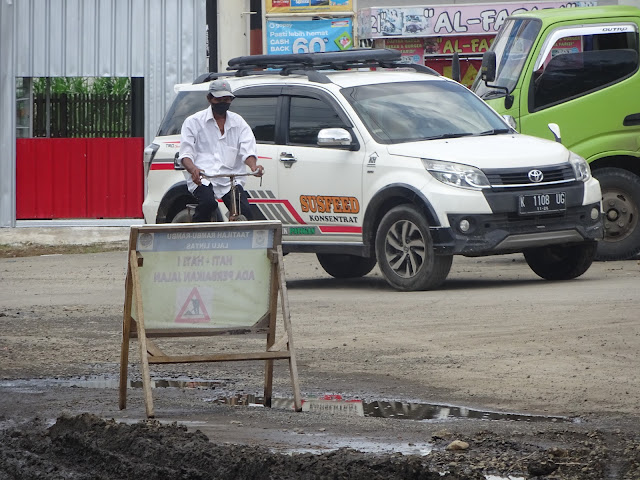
{"x":456,"y":174}
{"x":580,"y":167}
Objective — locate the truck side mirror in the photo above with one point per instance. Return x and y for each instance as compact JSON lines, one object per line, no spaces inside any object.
{"x":455,"y":67}
{"x":488,"y":67}
{"x":488,"y":74}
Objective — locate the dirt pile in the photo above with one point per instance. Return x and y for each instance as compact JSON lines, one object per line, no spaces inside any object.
{"x":88,"y":447}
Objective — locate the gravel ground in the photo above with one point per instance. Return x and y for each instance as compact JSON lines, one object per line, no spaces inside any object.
{"x":494,"y":340}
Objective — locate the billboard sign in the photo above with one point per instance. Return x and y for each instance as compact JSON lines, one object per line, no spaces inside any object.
{"x":430,"y":20}
{"x":308,"y":6}
{"x":309,"y":36}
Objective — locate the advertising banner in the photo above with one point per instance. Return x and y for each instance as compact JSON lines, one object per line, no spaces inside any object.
{"x":464,"y":45}
{"x":308,"y":6}
{"x":430,"y":20}
{"x":468,"y":68}
{"x":309,"y":36}
{"x":411,"y":49}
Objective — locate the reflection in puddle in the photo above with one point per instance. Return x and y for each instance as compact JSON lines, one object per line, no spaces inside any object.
{"x":337,"y":405}
{"x":334,"y":404}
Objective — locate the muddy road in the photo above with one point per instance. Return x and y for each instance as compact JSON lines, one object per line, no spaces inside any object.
{"x":428,"y":368}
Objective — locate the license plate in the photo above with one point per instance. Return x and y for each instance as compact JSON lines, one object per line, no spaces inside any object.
{"x":542,"y":203}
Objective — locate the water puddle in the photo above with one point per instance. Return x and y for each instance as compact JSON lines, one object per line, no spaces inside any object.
{"x":337,"y":405}
{"x":333,"y":404}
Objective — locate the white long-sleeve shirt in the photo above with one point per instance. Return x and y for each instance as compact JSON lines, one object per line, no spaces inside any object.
{"x":214,"y":152}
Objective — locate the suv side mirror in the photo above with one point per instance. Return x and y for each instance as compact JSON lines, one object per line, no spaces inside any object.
{"x":555,"y":129}
{"x":455,"y":67}
{"x":334,"y":137}
{"x":488,"y":67}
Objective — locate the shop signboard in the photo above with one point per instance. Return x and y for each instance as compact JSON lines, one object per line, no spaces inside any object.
{"x":411,"y":49}
{"x":474,"y":45}
{"x":308,"y":6}
{"x":434,"y":20}
{"x":463,"y":45}
{"x":308,"y":36}
{"x":468,"y":68}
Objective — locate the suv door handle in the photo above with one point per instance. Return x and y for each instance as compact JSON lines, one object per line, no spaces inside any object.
{"x":288,"y":159}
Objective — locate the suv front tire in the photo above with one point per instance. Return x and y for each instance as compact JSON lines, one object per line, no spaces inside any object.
{"x":404,"y":249}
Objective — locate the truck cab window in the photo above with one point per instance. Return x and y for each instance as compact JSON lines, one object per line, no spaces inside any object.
{"x":581,"y":64}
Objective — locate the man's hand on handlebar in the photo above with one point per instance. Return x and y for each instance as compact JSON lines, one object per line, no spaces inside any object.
{"x":194,"y":171}
{"x":196,"y":175}
{"x":258,"y":171}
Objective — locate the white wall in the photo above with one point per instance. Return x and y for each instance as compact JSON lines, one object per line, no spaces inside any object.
{"x":233,"y":31}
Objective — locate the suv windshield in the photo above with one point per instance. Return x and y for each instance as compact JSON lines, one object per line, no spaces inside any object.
{"x":512,"y":46}
{"x":414,"y":111}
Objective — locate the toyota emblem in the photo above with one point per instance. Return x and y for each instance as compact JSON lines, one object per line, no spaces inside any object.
{"x":536,"y":176}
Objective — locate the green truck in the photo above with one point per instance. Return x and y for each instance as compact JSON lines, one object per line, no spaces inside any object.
{"x":577,"y":68}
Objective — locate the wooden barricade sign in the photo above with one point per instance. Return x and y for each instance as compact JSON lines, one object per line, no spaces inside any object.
{"x":206,"y":279}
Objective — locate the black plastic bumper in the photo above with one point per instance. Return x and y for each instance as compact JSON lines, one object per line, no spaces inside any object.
{"x":510,"y":232}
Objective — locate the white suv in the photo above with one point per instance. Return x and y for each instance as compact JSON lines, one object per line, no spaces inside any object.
{"x":395,"y":165}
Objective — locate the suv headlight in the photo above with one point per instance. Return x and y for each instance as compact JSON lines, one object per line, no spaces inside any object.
{"x":580,"y":167}
{"x":456,"y":174}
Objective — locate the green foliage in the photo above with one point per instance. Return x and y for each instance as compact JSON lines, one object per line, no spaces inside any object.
{"x":84,"y":85}
{"x":111,"y":85}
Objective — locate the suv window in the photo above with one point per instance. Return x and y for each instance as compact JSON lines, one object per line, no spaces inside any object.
{"x":581,"y":64}
{"x":307,"y":116}
{"x":260,"y":114}
{"x":185,"y":104}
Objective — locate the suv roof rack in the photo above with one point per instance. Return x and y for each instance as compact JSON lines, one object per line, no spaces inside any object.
{"x":310,"y":63}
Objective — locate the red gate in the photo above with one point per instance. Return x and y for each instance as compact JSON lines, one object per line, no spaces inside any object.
{"x":79,"y":178}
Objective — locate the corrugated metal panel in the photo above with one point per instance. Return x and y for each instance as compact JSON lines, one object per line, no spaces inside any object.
{"x":114,"y":177}
{"x":162,"y":41}
{"x":179,"y":29}
{"x":90,"y":38}
{"x":51,"y":177}
{"x":7,"y":117}
{"x":79,"y":178}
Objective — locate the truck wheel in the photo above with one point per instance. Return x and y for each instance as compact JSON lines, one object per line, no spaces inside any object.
{"x":346,"y":266}
{"x":621,"y":205}
{"x":404,"y":249}
{"x":561,"y":262}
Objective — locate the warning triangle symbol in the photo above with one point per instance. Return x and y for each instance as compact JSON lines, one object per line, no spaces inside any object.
{"x":193,"y":310}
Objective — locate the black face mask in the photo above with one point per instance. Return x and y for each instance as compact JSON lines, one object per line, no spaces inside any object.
{"x":220,"y":108}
